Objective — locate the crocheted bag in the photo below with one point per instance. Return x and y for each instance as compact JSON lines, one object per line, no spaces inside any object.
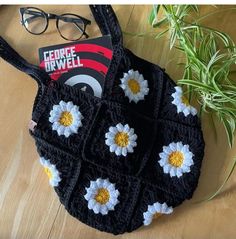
{"x":118,"y":161}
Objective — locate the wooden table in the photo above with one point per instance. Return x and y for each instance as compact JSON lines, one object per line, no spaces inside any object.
{"x":29,"y":207}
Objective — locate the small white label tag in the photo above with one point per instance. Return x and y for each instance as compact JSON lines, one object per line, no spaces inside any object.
{"x":32,"y":125}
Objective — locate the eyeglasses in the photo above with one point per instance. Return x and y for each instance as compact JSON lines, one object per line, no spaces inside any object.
{"x":70,"y":26}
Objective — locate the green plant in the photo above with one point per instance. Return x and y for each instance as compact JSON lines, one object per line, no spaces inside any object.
{"x":210,"y":56}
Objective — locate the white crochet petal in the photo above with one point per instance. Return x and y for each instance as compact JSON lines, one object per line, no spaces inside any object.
{"x":91,"y":202}
{"x":118,"y":151}
{"x":69,"y":106}
{"x":63,"y":105}
{"x":120,"y":127}
{"x":124,"y":151}
{"x":113,"y":148}
{"x":109,"y":141}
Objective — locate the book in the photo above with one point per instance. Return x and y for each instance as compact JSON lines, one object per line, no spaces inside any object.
{"x":83,"y":64}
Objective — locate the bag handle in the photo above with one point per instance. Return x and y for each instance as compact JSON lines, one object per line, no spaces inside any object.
{"x":11,"y":56}
{"x":107,"y":21}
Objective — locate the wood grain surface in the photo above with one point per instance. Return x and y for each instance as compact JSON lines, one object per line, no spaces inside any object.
{"x":29,"y":207}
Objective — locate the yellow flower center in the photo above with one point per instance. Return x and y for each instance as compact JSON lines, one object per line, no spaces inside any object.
{"x":134,"y":86}
{"x":122,"y":139}
{"x":156,"y":215}
{"x":102,"y":196}
{"x":66,"y":118}
{"x":48,"y":172}
{"x":176,"y":158}
{"x":185,"y":100}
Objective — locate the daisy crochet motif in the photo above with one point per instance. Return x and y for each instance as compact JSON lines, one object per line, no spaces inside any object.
{"x":65,"y":118}
{"x":155,"y":211}
{"x":181,"y":102}
{"x":134,"y":86}
{"x":51,"y":171}
{"x":176,"y":159}
{"x":121,"y":139}
{"x":102,"y":196}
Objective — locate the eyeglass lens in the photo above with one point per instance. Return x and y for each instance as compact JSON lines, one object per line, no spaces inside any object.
{"x":34,"y":20}
{"x":71,"y":27}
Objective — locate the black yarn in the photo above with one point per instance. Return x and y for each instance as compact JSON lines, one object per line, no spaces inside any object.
{"x":83,"y":157}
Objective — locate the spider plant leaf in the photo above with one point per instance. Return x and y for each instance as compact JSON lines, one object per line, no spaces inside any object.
{"x":212,"y":123}
{"x":159,"y":23}
{"x":152,"y":19}
{"x":152,"y":15}
{"x":173,"y":37}
{"x":229,"y":130}
{"x":196,"y":84}
{"x":161,"y":34}
{"x":194,"y":8}
{"x":179,"y":48}
{"x":214,"y":59}
{"x":225,"y":38}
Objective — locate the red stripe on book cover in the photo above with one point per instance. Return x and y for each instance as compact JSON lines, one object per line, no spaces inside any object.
{"x":87,"y":63}
{"x":94,"y":49}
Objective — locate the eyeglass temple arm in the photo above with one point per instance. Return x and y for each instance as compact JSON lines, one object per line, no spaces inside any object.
{"x":84,"y":32}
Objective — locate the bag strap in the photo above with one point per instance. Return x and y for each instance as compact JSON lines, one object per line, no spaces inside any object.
{"x":11,"y":56}
{"x":107,"y":21}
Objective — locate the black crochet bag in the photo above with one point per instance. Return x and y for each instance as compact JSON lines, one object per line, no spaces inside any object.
{"x":119,"y":161}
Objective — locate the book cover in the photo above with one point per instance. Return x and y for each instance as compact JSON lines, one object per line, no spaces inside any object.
{"x":83,"y":64}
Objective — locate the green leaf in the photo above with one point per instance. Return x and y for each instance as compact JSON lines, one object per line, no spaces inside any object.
{"x":229,"y":128}
{"x":153,"y":15}
{"x":195,"y":8}
{"x":173,"y":37}
{"x":160,"y":34}
{"x":142,"y":34}
{"x":212,"y":123}
{"x":156,"y":23}
{"x":196,"y":84}
{"x":210,"y":58}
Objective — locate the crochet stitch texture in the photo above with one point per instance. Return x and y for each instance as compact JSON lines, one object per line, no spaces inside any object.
{"x":109,"y":187}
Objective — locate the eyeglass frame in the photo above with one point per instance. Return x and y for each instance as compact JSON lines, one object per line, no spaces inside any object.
{"x":49,"y":16}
